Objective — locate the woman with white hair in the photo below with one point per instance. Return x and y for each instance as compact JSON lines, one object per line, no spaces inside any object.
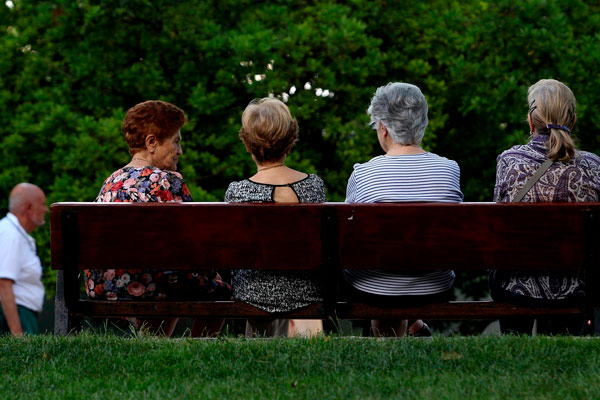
{"x":547,"y":169}
{"x":405,"y":173}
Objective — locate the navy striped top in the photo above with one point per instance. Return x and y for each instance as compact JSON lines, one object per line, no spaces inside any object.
{"x":424,"y":177}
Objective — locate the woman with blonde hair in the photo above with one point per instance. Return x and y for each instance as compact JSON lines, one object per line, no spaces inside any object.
{"x":547,"y":169}
{"x":269,"y":132}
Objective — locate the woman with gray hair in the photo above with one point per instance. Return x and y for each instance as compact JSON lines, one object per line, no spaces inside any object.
{"x":405,"y":173}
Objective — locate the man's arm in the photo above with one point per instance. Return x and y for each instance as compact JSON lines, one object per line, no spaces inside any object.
{"x":9,"y":307}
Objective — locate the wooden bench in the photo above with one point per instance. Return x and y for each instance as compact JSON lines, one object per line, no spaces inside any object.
{"x":323,"y":238}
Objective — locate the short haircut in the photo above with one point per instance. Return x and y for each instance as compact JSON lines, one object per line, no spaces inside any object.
{"x":403,"y":110}
{"x":154,"y":117}
{"x":21,"y":195}
{"x":268,"y":129}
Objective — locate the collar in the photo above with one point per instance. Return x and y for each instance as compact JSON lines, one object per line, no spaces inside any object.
{"x":540,"y":138}
{"x":15,"y":222}
{"x":538,"y":143}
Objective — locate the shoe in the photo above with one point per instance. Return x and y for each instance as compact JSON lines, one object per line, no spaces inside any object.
{"x":425,"y":331}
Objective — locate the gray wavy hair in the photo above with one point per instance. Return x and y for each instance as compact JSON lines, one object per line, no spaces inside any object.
{"x":403,"y":110}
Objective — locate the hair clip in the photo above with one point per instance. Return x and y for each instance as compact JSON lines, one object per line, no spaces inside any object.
{"x":532,"y":107}
{"x":559,"y":127}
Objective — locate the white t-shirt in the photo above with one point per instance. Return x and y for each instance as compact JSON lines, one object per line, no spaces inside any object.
{"x":19,"y":263}
{"x":424,"y":177}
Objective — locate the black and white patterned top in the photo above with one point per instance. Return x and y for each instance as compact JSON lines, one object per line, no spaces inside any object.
{"x":275,"y":291}
{"x":575,"y":181}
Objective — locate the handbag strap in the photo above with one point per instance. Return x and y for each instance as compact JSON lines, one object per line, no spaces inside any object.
{"x":531,"y":181}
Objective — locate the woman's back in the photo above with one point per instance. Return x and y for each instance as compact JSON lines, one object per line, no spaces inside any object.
{"x":572,"y":176}
{"x":308,"y":189}
{"x":575,"y":181}
{"x":405,"y":178}
{"x":275,"y":291}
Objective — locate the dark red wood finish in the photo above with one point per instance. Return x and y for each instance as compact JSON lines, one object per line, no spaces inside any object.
{"x":405,"y":236}
{"x":472,"y":236}
{"x":190,"y":235}
{"x":324,"y":237}
{"x":231,"y":309}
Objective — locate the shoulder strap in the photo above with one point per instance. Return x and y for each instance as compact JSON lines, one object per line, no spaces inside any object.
{"x":531,"y":181}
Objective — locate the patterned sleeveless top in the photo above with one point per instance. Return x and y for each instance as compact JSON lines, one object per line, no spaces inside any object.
{"x":275,"y":291}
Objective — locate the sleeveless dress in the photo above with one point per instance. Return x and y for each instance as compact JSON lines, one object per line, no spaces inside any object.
{"x":275,"y":291}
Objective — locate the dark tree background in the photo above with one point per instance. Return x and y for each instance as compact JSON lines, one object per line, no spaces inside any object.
{"x":70,"y":70}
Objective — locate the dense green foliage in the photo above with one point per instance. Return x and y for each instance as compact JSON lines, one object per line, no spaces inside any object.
{"x":69,"y":71}
{"x":97,"y":367}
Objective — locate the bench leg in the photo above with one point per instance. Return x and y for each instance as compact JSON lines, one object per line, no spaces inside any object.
{"x":61,"y":312}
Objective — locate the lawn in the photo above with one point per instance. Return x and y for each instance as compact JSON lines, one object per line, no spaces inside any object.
{"x":105,"y":366}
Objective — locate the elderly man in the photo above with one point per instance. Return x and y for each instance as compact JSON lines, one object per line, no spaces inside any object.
{"x":21,"y":289}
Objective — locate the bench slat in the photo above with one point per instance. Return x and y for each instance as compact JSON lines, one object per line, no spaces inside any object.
{"x":205,"y":309}
{"x":469,"y":236}
{"x":454,"y":310}
{"x":190,"y":236}
{"x":232,"y":309}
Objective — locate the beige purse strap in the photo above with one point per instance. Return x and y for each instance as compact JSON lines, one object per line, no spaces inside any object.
{"x":531,"y":181}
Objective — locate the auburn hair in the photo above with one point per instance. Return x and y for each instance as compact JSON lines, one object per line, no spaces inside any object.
{"x":153,"y":117}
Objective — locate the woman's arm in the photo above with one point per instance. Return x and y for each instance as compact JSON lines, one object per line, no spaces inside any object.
{"x":500,"y":187}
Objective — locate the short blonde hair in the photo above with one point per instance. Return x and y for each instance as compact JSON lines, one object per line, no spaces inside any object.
{"x":268,"y":129}
{"x":552,"y":103}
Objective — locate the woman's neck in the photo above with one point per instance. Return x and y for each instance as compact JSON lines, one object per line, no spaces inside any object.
{"x":397,"y":149}
{"x":268,"y":166}
{"x":140,"y":159}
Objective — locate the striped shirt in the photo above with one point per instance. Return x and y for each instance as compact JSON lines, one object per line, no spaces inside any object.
{"x":424,"y":177}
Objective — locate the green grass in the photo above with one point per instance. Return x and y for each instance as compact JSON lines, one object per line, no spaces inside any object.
{"x":104,"y":366}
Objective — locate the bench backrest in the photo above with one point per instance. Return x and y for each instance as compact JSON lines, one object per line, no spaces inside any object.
{"x":405,"y":236}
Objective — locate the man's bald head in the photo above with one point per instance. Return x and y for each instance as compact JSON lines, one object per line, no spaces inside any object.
{"x":28,"y":203}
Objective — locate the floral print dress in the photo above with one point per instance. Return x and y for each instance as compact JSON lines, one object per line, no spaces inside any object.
{"x":150,"y":184}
